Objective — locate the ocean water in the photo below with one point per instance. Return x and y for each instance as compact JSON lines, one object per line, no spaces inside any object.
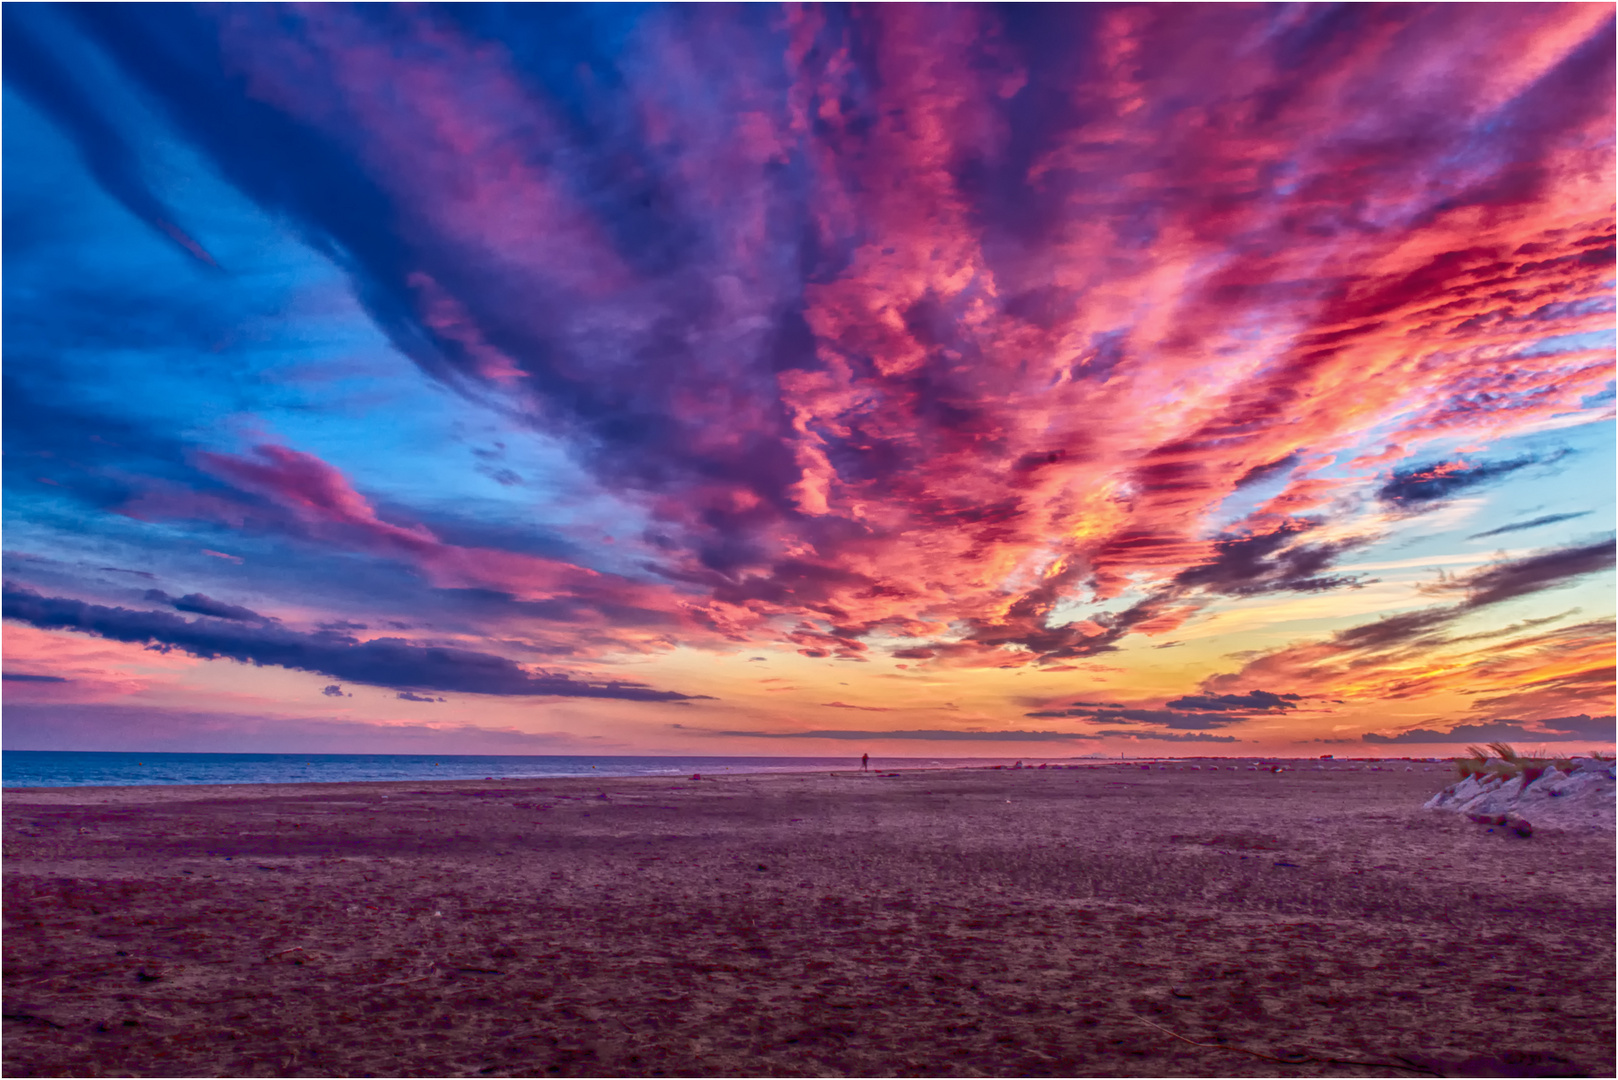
{"x":73,"y":768}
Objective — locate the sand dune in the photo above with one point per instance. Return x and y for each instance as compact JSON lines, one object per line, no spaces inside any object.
{"x":1107,"y":921}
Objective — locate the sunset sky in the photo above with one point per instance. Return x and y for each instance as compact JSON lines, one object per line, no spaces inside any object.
{"x":925,"y":380}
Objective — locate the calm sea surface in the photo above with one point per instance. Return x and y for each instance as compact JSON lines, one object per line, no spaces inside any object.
{"x":62,"y":768}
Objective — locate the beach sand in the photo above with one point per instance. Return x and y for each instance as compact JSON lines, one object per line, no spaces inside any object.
{"x":1060,"y":922}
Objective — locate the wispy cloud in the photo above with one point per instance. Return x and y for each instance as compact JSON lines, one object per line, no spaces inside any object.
{"x":1164,"y":736}
{"x":1006,"y":736}
{"x":1531,"y":523}
{"x":199,"y":604}
{"x":1252,"y":701}
{"x":1581,"y":728}
{"x":925,"y":734}
{"x":1423,"y":651}
{"x":1168,"y":718}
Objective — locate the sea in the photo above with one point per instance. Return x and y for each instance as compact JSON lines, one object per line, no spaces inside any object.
{"x":83,"y":768}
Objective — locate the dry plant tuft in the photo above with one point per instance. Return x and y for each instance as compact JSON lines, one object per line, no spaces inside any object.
{"x":1504,"y":761}
{"x":1504,"y":751}
{"x":1497,"y":760}
{"x":1475,"y":763}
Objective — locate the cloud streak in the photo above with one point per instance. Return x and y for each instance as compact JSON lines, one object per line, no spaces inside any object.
{"x":199,"y":604}
{"x":1424,"y":652}
{"x":1581,"y":728}
{"x":389,"y":662}
{"x":1252,"y":701}
{"x":1169,"y":718}
{"x":1531,"y":523}
{"x":921,"y":734}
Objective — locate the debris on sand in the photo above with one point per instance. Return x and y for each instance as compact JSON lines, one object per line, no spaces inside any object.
{"x":1582,"y":798}
{"x":1511,"y":822}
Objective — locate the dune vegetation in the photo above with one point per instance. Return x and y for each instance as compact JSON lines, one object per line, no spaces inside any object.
{"x":1503,"y":761}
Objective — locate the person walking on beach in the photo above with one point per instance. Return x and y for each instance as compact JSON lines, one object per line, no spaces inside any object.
{"x":865,"y":763}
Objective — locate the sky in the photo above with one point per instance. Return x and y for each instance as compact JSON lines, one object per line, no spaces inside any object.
{"x":921,"y":380}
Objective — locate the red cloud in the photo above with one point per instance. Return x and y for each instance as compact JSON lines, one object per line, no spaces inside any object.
{"x":901,"y":319}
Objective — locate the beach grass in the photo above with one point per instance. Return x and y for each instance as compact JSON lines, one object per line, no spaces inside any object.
{"x":1501,"y":760}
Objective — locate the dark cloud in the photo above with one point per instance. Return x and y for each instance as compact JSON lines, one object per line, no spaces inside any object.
{"x":1195,"y":712}
{"x":199,"y":604}
{"x":1581,"y":728}
{"x":938,"y":735}
{"x":1159,"y":736}
{"x":1169,"y":718}
{"x":1252,"y":701}
{"x":862,"y":708}
{"x":1532,"y":523}
{"x":1275,"y":561}
{"x":575,"y":609}
{"x":1492,"y":584}
{"x":1542,"y":570}
{"x":1393,"y":631}
{"x":334,"y":691}
{"x":1434,"y":482}
{"x":389,"y":662}
{"x":17,"y":676}
{"x":405,"y":695}
{"x":1260,"y":473}
{"x":1525,"y":668}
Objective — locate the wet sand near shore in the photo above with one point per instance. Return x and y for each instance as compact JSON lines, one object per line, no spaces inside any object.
{"x":1064,"y":922}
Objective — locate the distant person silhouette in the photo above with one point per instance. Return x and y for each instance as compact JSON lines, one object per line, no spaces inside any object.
{"x":865,"y":763}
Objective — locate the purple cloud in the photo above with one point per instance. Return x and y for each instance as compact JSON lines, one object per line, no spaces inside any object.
{"x":389,"y":662}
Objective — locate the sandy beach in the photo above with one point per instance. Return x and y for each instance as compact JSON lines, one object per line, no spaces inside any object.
{"x":1099,"y":921}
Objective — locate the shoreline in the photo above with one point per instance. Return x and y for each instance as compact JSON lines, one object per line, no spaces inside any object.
{"x":1233,"y":763}
{"x":938,"y":922}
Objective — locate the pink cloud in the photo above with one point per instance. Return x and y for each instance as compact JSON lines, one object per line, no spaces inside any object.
{"x":905,"y":324}
{"x":60,"y":667}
